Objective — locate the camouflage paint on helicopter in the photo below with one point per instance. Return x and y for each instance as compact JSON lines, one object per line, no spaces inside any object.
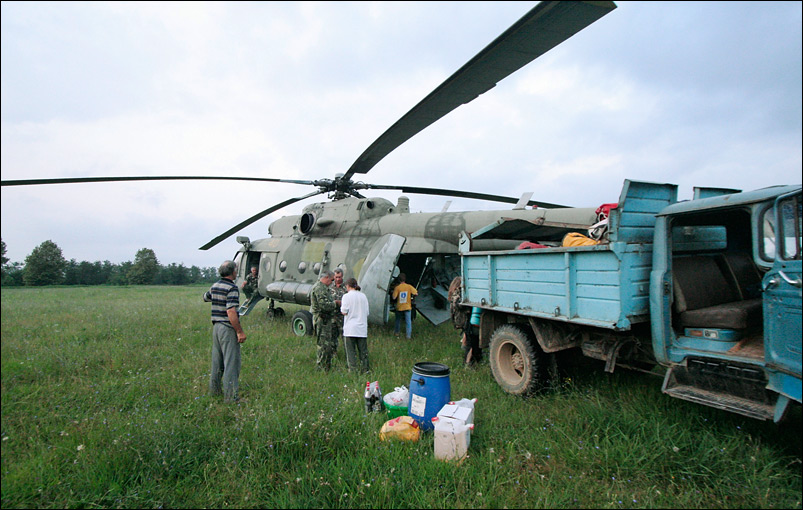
{"x":345,"y":232}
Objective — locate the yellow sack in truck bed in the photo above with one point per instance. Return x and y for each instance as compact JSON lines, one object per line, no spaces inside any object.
{"x":577,"y":239}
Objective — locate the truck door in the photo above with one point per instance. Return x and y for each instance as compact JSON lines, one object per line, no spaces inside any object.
{"x":782,"y":301}
{"x":376,"y":274}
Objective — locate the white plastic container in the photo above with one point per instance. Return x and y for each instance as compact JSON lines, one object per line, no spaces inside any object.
{"x":462,"y":409}
{"x":456,"y":412}
{"x":452,"y":438}
{"x":465,"y":402}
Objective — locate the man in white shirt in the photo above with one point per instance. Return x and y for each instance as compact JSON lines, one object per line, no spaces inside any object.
{"x":354,"y":308}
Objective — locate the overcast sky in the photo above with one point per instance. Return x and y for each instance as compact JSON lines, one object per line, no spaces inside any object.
{"x":697,"y":94}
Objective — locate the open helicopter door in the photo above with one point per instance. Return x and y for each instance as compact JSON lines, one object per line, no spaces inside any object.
{"x":377,"y":273}
{"x":433,"y":288}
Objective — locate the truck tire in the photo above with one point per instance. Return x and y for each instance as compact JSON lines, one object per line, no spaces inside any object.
{"x":302,"y":323}
{"x":515,"y":360}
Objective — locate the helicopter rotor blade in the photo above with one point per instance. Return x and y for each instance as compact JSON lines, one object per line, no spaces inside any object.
{"x":256,"y":217}
{"x":545,"y":26}
{"x":464,"y":194}
{"x":72,"y":180}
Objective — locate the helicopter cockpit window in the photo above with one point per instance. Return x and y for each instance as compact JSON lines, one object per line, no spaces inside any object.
{"x":307,"y":222}
{"x":241,"y":269}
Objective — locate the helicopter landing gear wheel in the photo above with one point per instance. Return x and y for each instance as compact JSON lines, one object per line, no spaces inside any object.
{"x":275,"y":313}
{"x":514,"y":361}
{"x":302,"y":323}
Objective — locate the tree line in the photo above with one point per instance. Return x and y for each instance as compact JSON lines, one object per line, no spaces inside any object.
{"x":46,"y":265}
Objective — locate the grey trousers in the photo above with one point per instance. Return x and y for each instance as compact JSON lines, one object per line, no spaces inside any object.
{"x":225,"y":362}
{"x":354,"y":344}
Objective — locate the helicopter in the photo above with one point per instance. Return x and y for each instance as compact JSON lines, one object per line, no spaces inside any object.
{"x":374,"y":239}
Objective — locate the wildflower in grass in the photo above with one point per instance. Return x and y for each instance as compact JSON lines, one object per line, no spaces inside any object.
{"x":80,"y":447}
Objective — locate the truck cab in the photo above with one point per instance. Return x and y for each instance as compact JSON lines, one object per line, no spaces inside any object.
{"x":725,"y":299}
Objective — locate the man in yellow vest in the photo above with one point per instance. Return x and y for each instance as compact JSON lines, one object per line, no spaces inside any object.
{"x":403,"y":296}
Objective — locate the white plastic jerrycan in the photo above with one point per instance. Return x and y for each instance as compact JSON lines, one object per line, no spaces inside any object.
{"x":462,"y":409}
{"x":465,"y":402}
{"x":452,"y":438}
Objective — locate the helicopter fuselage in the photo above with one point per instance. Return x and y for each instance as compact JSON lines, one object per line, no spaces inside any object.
{"x":342,"y":233}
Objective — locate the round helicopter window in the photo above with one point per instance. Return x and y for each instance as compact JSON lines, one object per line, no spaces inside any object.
{"x":283,"y":266}
{"x":302,"y":266}
{"x":316,"y":268}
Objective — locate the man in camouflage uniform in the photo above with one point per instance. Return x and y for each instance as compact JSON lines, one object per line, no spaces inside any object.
{"x":251,"y":283}
{"x":323,"y":308}
{"x":338,"y":290}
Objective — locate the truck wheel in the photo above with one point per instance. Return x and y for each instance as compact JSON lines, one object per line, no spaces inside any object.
{"x":514,"y":360}
{"x":302,"y":323}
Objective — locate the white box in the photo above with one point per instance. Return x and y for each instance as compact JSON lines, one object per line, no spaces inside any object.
{"x":459,"y":413}
{"x":452,"y":438}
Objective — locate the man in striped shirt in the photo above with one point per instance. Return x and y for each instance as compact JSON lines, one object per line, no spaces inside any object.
{"x":227,"y":333}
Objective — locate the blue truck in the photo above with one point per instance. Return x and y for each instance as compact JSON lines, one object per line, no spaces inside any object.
{"x":708,"y":288}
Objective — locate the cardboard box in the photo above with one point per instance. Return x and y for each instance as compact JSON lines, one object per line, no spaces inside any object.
{"x":459,"y":413}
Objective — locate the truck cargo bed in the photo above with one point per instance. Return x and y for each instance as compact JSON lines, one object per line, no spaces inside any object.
{"x":604,"y":285}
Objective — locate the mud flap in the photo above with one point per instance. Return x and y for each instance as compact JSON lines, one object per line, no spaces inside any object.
{"x":376,"y":274}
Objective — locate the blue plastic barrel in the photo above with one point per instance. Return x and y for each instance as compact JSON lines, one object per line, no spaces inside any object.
{"x":430,"y":390}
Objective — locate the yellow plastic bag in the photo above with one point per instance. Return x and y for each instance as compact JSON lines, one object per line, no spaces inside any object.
{"x":403,"y":427}
{"x":577,"y":239}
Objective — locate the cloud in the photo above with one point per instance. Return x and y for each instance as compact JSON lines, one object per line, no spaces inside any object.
{"x":692,"y":93}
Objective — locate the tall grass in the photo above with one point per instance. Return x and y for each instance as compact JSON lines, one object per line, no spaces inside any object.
{"x":104,"y":404}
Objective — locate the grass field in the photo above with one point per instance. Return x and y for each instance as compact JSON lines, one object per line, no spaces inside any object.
{"x":104,"y":404}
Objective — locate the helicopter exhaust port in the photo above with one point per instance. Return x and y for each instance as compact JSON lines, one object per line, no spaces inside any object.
{"x":307,"y":222}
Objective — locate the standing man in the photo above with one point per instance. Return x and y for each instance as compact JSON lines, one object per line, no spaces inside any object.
{"x":227,"y":334}
{"x":403,"y":295}
{"x":251,"y":283}
{"x":355,"y":327}
{"x":323,"y":307}
{"x":338,"y":290}
{"x":461,"y":319}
